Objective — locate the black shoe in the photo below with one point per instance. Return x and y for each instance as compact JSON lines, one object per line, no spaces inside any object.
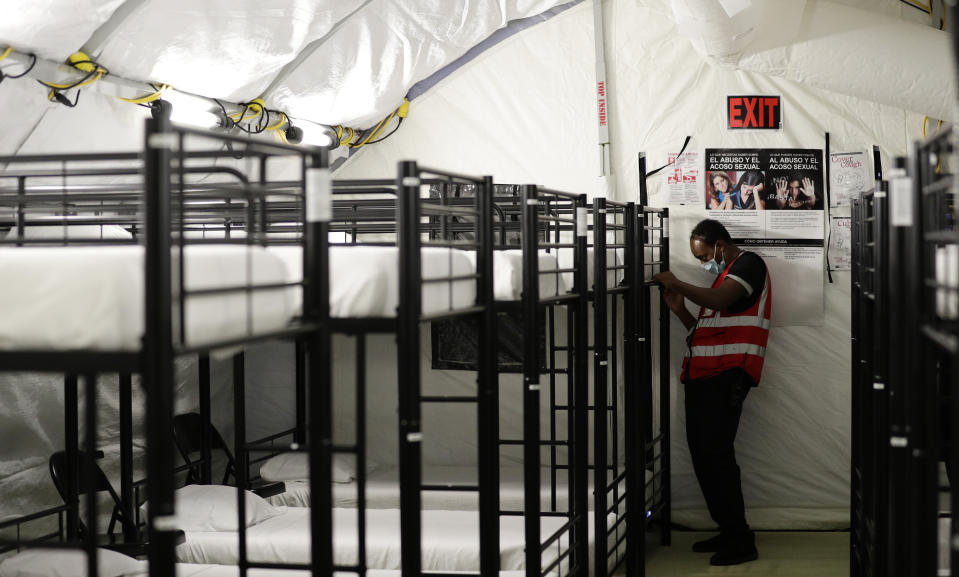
{"x":711,"y":545}
{"x":735,"y":553}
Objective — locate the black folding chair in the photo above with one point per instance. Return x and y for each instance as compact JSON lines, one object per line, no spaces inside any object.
{"x":188,"y":431}
{"x":58,"y":472}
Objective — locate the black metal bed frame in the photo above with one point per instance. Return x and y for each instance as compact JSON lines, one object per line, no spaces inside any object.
{"x":161,"y":209}
{"x":549,"y":220}
{"x":871,"y":385}
{"x":933,"y":356}
{"x":905,"y":347}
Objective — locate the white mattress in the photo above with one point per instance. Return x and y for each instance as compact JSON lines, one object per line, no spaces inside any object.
{"x":364,"y":280}
{"x":450,"y":540}
{"x":508,"y":275}
{"x":382,"y":490}
{"x":202,"y":570}
{"x":91,"y":298}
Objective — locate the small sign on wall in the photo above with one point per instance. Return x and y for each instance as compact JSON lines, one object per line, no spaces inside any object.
{"x":754,"y":112}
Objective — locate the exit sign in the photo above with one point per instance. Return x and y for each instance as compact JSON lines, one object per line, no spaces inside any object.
{"x":751,"y":112}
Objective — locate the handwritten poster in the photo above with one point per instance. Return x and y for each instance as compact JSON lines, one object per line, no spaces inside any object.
{"x":682,"y":178}
{"x":840,"y":239}
{"x":848,"y":177}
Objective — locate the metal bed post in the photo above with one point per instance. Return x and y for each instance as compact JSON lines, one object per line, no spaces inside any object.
{"x":664,"y":389}
{"x":87,"y":466}
{"x":206,"y":465}
{"x":158,"y":346}
{"x":641,"y":404}
{"x":488,"y":389}
{"x":299,"y":353}
{"x":71,"y":432}
{"x":531,"y":416}
{"x":883,"y":274}
{"x":897,"y":539}
{"x":127,"y":498}
{"x":239,"y":461}
{"x":580,"y":415}
{"x":600,"y":383}
{"x":408,"y":359}
{"x":635,"y":500}
{"x":856,"y":482}
{"x":316,"y":307}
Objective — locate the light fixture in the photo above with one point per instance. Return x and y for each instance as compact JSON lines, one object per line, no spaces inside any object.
{"x":192,"y":110}
{"x":312,"y":134}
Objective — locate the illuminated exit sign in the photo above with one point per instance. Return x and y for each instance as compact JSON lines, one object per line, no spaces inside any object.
{"x":750,"y":112}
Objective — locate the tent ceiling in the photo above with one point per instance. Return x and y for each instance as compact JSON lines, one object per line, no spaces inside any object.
{"x":352,"y":61}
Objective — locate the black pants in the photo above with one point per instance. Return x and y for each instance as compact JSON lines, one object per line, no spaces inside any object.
{"x":713,"y":408}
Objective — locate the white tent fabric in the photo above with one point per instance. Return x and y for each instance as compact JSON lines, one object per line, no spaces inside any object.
{"x":524,"y":111}
{"x":794,"y":438}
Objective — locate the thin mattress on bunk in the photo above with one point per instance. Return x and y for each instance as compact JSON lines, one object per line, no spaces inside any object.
{"x":382,"y":489}
{"x":365,"y":280}
{"x":450,"y":540}
{"x":72,"y":563}
{"x":92,"y":298}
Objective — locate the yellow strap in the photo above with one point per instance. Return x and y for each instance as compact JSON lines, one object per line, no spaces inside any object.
{"x":6,"y":52}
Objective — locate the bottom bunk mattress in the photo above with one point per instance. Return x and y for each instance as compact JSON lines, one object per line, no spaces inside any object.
{"x":450,"y":540}
{"x":72,"y":563}
{"x":383,"y":492}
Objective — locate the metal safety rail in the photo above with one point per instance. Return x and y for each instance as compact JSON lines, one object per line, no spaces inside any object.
{"x":156,"y":194}
{"x":871,"y":385}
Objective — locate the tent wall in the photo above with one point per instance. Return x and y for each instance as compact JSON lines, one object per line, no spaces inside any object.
{"x":524,"y":112}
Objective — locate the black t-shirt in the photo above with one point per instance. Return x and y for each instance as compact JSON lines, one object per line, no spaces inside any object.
{"x":749,"y":270}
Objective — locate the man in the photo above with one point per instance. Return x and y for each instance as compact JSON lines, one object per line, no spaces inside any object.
{"x":727,"y":344}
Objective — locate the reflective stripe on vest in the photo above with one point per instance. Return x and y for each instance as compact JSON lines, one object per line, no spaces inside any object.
{"x":722,"y":341}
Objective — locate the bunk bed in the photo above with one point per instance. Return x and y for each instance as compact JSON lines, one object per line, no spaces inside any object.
{"x":607,"y":260}
{"x":930,"y":534}
{"x":138,"y":305}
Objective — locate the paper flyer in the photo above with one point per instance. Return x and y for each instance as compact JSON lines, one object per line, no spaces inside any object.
{"x":840,"y":239}
{"x":682,"y":178}
{"x":848,"y":177}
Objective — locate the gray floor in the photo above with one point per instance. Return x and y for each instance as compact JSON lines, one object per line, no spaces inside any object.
{"x":801,"y":554}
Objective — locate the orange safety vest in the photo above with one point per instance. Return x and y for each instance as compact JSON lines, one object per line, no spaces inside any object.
{"x":722,"y":341}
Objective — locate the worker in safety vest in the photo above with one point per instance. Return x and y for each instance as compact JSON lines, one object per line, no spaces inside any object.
{"x":727,"y":343}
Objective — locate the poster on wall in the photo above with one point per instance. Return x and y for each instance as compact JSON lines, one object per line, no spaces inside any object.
{"x":848,"y":177}
{"x":840,"y":239}
{"x":682,"y":178}
{"x":772,"y":202}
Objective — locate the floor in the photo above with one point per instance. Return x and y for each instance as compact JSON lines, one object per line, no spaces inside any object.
{"x":799,"y":554}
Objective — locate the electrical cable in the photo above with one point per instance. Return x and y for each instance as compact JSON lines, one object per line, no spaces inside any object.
{"x":160,"y":90}
{"x":33,"y":62}
{"x":83,"y":63}
{"x":927,"y":9}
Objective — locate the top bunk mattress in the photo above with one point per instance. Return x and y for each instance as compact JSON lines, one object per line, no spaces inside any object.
{"x":92,"y":298}
{"x":365,"y":280}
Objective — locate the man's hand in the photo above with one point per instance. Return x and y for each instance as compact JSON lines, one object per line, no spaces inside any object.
{"x":674,"y":300}
{"x":667,"y":279}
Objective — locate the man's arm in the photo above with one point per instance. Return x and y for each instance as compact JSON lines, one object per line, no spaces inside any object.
{"x":677,"y":303}
{"x":719,"y":298}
